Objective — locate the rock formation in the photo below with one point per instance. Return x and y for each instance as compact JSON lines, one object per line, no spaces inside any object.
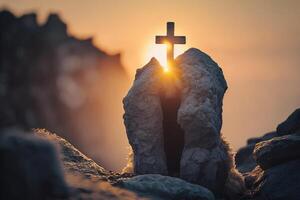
{"x":143,"y":120}
{"x":50,"y":79}
{"x":204,"y":157}
{"x":271,"y":162}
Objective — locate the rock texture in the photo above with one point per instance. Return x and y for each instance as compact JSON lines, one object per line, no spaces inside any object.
{"x":167,"y":187}
{"x":275,"y":161}
{"x":205,"y":157}
{"x":244,"y":157}
{"x":43,"y":165}
{"x":30,"y":168}
{"x":85,"y":178}
{"x":143,"y":120}
{"x":277,"y":150}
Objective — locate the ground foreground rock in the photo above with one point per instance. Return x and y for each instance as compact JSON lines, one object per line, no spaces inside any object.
{"x":167,"y":187}
{"x":45,"y":166}
{"x":30,"y":168}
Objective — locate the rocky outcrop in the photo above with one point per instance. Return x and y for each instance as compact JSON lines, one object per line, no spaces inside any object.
{"x":290,"y":125}
{"x":167,"y":187}
{"x":277,"y":151}
{"x":143,"y":120}
{"x":50,"y":79}
{"x":244,"y":157}
{"x":205,"y":158}
{"x":275,"y":159}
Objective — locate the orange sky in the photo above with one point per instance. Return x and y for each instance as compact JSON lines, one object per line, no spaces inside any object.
{"x":257,"y":43}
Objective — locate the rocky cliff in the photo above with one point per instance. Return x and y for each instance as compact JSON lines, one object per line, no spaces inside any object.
{"x":53,"y":80}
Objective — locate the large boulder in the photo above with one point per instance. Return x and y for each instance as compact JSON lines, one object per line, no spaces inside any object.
{"x":205,"y":158}
{"x":277,"y":150}
{"x":143,"y":120}
{"x":30,"y":168}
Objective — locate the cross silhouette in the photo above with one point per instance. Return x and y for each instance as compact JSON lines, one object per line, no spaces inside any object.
{"x":170,"y":39}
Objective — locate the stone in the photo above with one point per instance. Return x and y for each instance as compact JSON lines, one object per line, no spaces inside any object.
{"x":84,"y":176}
{"x":205,"y":157}
{"x":165,"y":187}
{"x":266,"y":136}
{"x":143,"y":120}
{"x":291,"y":124}
{"x":244,"y":157}
{"x":279,"y":182}
{"x":72,"y":159}
{"x":30,"y":168}
{"x":277,"y":151}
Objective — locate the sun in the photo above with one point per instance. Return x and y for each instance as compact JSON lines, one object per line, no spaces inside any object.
{"x":159,"y":51}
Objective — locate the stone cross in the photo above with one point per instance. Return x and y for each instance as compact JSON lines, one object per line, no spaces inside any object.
{"x":170,"y":39}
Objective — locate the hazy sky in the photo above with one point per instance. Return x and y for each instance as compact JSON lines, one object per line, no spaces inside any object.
{"x":256,"y":42}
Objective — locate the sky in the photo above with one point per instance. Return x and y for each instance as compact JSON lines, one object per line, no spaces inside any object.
{"x":255,"y":42}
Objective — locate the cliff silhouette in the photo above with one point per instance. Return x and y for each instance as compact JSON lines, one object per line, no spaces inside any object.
{"x":53,"y":80}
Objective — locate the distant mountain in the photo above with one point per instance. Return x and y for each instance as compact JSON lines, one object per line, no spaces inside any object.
{"x":52,"y":80}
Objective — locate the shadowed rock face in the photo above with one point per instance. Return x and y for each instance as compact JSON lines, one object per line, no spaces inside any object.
{"x":204,"y":158}
{"x":143,"y":120}
{"x":50,"y":79}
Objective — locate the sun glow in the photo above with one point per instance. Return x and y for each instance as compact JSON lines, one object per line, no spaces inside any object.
{"x":159,"y":51}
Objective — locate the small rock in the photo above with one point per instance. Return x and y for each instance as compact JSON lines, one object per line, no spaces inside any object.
{"x":244,"y":159}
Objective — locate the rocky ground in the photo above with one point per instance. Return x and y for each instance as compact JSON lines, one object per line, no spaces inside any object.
{"x":42,"y":165}
{"x":51,"y":168}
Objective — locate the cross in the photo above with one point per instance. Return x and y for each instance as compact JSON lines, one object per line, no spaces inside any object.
{"x":170,"y":39}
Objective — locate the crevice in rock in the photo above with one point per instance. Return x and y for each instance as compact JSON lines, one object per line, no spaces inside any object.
{"x":172,"y":133}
